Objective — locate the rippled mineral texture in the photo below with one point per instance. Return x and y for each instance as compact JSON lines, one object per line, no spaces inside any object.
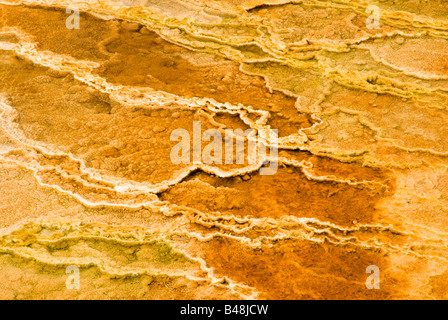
{"x":92,"y":205}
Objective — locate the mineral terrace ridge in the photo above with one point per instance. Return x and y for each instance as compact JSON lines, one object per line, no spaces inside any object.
{"x":87,"y":181}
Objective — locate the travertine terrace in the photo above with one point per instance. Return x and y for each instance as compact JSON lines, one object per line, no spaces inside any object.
{"x":86,"y":178}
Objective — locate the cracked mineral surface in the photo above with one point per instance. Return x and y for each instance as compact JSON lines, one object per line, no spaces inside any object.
{"x":87,"y":177}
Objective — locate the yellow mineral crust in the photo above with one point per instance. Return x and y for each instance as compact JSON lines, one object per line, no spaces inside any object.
{"x":88,"y":181}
